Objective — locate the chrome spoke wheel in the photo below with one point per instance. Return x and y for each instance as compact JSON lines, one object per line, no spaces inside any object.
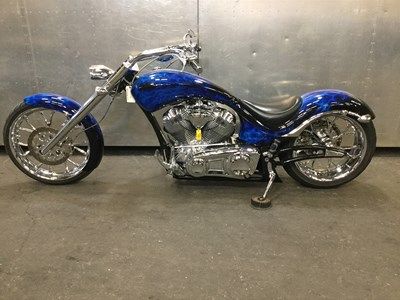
{"x":32,"y":129}
{"x":344,"y":142}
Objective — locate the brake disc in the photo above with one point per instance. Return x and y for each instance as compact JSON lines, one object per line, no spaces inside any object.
{"x":57,"y":155}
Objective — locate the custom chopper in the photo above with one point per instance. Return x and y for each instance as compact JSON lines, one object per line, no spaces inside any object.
{"x":322,"y":139}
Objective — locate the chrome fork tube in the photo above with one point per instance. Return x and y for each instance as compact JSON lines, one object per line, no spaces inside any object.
{"x":97,"y":96}
{"x":85,"y":109}
{"x":102,"y":91}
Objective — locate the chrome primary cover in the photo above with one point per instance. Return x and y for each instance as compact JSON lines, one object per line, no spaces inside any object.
{"x":233,"y":162}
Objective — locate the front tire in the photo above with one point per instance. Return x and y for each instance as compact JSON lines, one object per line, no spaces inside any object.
{"x":29,"y":128}
{"x":337,"y":171}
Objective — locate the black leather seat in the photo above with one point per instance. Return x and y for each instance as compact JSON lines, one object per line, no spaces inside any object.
{"x":275,"y":112}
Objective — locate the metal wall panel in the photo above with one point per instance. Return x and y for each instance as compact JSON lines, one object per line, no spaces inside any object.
{"x":48,"y":45}
{"x":259,"y":48}
{"x":254,"y":48}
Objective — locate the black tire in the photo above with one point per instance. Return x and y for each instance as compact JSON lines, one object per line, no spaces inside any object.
{"x":294,"y":172}
{"x":96,"y":150}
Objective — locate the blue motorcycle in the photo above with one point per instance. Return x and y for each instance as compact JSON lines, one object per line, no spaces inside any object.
{"x":322,"y":139}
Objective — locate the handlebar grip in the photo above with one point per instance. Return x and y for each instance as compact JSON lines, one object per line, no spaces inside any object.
{"x":196,"y":66}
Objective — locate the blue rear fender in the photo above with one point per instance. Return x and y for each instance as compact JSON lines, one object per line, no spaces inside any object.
{"x":321,"y":101}
{"x":314,"y":103}
{"x":62,"y":104}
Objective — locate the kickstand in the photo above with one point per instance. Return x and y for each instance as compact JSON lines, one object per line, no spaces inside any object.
{"x":263,"y":202}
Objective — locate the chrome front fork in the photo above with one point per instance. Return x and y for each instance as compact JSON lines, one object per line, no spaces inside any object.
{"x":101,"y":92}
{"x":86,"y":108}
{"x":89,"y":105}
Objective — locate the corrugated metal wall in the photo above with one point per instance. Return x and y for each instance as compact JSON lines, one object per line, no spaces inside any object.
{"x":254,"y":48}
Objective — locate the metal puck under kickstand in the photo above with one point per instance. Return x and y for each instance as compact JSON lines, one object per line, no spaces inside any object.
{"x":258,"y":202}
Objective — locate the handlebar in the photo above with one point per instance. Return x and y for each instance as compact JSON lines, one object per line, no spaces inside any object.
{"x":186,"y":52}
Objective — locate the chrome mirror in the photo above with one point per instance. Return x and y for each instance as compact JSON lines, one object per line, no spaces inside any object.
{"x":100,"y":72}
{"x":189,"y":39}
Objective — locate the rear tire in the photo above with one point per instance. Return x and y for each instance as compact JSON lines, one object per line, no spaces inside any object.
{"x":295,"y":172}
{"x":95,"y":144}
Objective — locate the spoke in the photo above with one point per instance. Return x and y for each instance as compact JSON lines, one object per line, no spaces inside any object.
{"x":80,"y":150}
{"x":38,"y":168}
{"x":25,"y":153}
{"x":312,"y":128}
{"x":29,"y":123}
{"x":329,"y":163}
{"x":347,"y":128}
{"x":66,"y":167}
{"x":333,"y":163}
{"x":330,"y":123}
{"x":26,"y":129}
{"x":72,"y":162}
{"x":314,"y":135}
{"x":345,"y":132}
{"x":347,"y":150}
{"x":45,"y":119}
{"x":335,"y":138}
{"x":308,"y":131}
{"x":51,"y":118}
{"x":347,"y":165}
{"x":311,"y":135}
{"x":77,"y":134}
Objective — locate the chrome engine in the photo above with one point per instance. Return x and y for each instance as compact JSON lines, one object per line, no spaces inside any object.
{"x":203,"y":136}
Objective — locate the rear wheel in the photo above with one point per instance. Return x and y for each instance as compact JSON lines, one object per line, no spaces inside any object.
{"x":356,"y":140}
{"x":28,"y":129}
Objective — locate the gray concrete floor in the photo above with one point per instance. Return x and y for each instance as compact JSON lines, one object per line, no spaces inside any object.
{"x":129,"y":231}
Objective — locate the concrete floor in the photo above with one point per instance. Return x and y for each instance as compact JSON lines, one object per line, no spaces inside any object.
{"x":129,"y":231}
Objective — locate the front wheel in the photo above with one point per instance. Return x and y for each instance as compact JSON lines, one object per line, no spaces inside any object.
{"x":28,"y":129}
{"x":333,"y":131}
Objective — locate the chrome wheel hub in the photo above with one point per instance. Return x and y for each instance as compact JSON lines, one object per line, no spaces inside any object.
{"x":57,"y":155}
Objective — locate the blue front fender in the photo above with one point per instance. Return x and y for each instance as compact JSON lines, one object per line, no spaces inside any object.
{"x":62,"y":104}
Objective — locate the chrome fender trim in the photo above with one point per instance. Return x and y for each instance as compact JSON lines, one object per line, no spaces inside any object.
{"x":360,"y":118}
